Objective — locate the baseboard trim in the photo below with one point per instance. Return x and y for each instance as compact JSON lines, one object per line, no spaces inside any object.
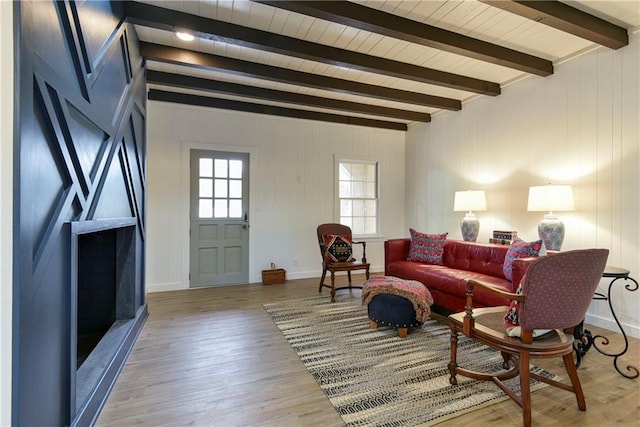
{"x":610,"y":324}
{"x":163,"y":287}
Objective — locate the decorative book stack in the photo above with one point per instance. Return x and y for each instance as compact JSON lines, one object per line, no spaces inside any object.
{"x":502,"y":237}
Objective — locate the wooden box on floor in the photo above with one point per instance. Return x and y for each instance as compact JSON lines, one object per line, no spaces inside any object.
{"x":273,"y":276}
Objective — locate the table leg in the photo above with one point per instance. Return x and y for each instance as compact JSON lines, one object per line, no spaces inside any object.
{"x":600,"y":340}
{"x":583,"y":342}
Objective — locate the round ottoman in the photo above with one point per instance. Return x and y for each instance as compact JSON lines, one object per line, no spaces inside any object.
{"x":396,"y":302}
{"x":392,"y":310}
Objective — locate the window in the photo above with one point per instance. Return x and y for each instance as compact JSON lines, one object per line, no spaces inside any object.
{"x":220,"y":188}
{"x":358,"y":195}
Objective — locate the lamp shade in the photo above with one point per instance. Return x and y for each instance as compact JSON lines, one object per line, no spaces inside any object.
{"x":469,"y":201}
{"x":550,"y":198}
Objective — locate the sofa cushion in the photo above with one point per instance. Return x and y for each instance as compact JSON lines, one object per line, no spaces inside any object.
{"x":519,"y":249}
{"x":427,"y":248}
{"x":476,"y":257}
{"x":339,"y":248}
{"x":442,"y":281}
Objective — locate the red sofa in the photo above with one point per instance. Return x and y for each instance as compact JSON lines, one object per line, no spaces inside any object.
{"x":462,"y":261}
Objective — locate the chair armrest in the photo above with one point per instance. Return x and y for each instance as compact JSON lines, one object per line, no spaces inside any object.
{"x":364,"y":250}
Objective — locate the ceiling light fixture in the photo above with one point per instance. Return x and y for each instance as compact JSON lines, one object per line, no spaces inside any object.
{"x":184,"y":36}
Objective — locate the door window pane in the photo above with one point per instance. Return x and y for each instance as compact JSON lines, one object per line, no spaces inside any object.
{"x":221,"y":168}
{"x":206,"y":187}
{"x":221,"y":188}
{"x":235,"y":208}
{"x":220,"y":208}
{"x":206,"y":167}
{"x":205,"y":208}
{"x":235,"y":169}
{"x":235,"y":188}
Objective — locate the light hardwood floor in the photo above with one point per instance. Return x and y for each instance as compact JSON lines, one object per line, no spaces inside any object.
{"x":213,"y":357}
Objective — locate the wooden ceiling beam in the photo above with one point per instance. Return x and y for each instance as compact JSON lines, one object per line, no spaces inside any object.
{"x":189,"y":58}
{"x":565,"y":18}
{"x":196,"y":83}
{"x":227,"y":104}
{"x":172,"y":20}
{"x":376,"y":21}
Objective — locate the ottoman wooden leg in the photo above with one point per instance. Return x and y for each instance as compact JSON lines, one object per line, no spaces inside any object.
{"x":402,"y":332}
{"x":373,"y":324}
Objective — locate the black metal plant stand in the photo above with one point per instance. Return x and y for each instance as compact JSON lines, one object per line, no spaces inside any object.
{"x":585,"y":340}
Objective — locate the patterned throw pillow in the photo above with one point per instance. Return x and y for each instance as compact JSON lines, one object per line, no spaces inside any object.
{"x":519,"y":249}
{"x":426,"y":248}
{"x":338,"y":248}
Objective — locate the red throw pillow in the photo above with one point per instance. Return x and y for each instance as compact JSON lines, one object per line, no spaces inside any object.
{"x":519,"y":249}
{"x":339,"y":248}
{"x":427,"y":248}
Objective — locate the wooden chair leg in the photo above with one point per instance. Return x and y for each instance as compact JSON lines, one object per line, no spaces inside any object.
{"x":453,"y":364}
{"x":324,"y":274}
{"x":506,"y":357}
{"x":373,"y":324}
{"x":402,"y":332}
{"x":575,"y":381}
{"x":525,"y":388}
{"x":349,"y":276}
{"x":333,"y":286}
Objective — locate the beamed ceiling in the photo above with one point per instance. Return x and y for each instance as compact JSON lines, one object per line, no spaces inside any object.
{"x":371,"y":63}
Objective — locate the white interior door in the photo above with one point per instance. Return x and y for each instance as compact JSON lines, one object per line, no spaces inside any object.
{"x":219,"y":253}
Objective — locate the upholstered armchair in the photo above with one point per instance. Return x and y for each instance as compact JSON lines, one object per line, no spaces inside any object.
{"x":554,"y":297}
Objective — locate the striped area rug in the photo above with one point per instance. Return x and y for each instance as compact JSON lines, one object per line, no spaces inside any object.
{"x":374,"y":378}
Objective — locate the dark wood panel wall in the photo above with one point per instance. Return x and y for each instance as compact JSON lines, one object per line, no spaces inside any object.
{"x":80,"y":156}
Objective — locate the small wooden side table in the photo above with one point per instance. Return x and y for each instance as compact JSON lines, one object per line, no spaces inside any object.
{"x":586,"y":340}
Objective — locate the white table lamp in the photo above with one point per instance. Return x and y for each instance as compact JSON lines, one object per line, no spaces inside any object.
{"x":550,"y":198}
{"x":469,"y":201}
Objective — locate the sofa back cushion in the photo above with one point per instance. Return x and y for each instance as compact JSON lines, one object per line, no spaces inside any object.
{"x":478,"y":257}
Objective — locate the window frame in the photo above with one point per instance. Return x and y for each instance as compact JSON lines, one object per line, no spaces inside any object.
{"x":338,"y":160}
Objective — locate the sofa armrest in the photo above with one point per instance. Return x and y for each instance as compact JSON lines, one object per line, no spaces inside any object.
{"x":395,"y":250}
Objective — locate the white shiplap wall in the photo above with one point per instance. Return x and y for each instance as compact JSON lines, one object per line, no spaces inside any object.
{"x":291,"y":186}
{"x":579,"y":127}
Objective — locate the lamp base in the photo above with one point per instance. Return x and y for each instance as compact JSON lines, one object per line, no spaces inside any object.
{"x":470,"y":226}
{"x":551,"y":231}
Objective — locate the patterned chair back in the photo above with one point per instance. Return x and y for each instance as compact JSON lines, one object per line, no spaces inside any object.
{"x":326,"y":229}
{"x":558,"y":288}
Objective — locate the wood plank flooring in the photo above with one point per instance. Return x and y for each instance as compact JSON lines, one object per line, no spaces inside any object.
{"x":213,"y":357}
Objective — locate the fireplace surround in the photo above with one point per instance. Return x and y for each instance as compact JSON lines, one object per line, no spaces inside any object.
{"x":102,"y":304}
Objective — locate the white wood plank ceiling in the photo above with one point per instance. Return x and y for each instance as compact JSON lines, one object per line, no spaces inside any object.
{"x":483,"y":21}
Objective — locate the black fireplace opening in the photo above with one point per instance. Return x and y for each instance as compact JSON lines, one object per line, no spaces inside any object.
{"x":96,"y":289}
{"x":105,"y":278}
